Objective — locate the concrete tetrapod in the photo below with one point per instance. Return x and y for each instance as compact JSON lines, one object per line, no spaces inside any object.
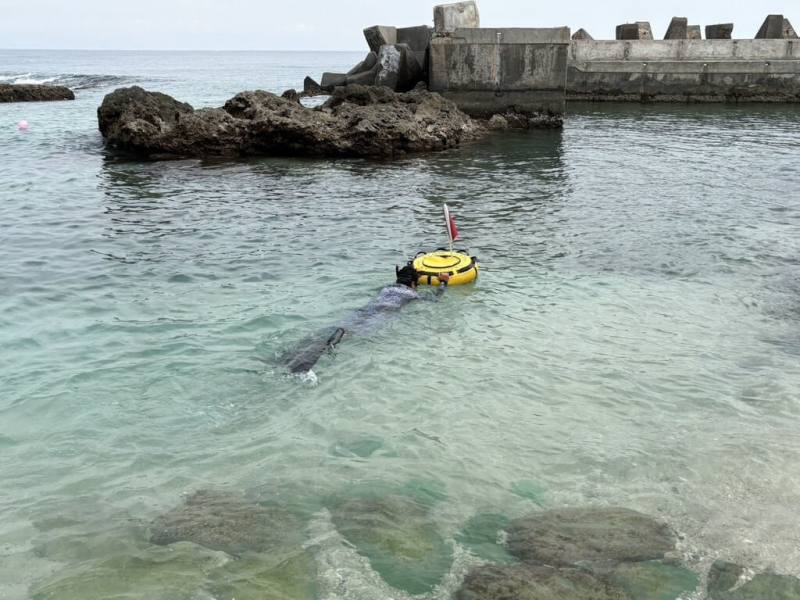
{"x":380,"y":35}
{"x":678,"y":29}
{"x":721,"y":31}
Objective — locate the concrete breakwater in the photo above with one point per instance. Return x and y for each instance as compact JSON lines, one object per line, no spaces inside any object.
{"x":765,"y":70}
{"x":536,"y":71}
{"x":518,"y":72}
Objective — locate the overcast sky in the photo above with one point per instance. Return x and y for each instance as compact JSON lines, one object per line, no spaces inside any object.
{"x":328,"y":24}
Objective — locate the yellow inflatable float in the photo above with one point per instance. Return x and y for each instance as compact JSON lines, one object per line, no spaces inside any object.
{"x":461,"y":267}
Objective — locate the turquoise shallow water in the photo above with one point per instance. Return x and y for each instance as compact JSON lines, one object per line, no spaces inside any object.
{"x":633,"y":339}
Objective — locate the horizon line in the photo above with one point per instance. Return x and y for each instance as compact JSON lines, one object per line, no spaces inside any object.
{"x":163,"y":50}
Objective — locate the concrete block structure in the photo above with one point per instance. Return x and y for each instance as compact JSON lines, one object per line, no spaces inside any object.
{"x":678,"y":29}
{"x":488,"y":71}
{"x":721,"y":31}
{"x":380,"y":35}
{"x":582,"y":34}
{"x":764,"y":70}
{"x":771,"y":29}
{"x":693,"y":32}
{"x":449,"y":17}
{"x":640,"y":30}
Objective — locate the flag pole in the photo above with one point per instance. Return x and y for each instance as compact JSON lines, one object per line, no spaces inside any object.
{"x":446,"y":211}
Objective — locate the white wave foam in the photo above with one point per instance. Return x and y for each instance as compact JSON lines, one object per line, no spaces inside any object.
{"x":33,"y":80}
{"x":75,"y":81}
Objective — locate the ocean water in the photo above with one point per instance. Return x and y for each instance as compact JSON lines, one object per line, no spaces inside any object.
{"x":633,"y":339}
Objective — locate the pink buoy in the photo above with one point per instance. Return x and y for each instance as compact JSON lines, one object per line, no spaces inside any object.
{"x":23,"y":125}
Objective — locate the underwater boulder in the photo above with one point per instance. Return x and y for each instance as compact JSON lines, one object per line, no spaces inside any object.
{"x":272,"y":576}
{"x":482,"y":536}
{"x":724,"y":583}
{"x":654,"y":580}
{"x":569,"y":536}
{"x":492,"y":582}
{"x":395,"y":533}
{"x":175,"y":573}
{"x":227,"y":522}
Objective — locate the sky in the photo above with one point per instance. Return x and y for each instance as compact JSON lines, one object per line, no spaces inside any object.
{"x":329,"y":24}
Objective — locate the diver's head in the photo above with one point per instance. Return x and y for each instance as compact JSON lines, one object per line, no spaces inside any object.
{"x":407,"y":275}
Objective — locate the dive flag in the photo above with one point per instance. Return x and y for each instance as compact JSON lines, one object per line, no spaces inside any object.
{"x":450,"y":224}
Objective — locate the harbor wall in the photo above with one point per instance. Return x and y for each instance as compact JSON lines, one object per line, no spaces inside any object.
{"x":486,"y":71}
{"x":760,"y":70}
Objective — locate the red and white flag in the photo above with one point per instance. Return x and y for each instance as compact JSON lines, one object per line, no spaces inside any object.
{"x":450,"y":224}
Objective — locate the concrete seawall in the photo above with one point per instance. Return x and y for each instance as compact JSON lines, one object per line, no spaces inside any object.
{"x":487,"y":71}
{"x":763,"y":70}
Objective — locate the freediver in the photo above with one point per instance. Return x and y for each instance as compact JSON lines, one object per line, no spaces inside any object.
{"x":364,"y":320}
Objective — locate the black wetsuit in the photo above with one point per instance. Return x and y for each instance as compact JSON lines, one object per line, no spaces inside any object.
{"x":364,"y":320}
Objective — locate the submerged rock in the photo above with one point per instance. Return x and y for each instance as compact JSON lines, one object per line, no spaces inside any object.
{"x":654,"y":580}
{"x":396,"y":535}
{"x":357,"y":121}
{"x":266,"y":577}
{"x":34,"y":93}
{"x":227,"y":522}
{"x":569,"y":536}
{"x":725,"y":583}
{"x":482,"y":535}
{"x":491,"y":582}
{"x":175,"y":573}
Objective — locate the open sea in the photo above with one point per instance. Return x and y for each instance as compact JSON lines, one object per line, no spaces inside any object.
{"x":633,"y":339}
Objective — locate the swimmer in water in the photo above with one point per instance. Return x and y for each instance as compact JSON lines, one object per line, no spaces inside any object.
{"x":365,"y":320}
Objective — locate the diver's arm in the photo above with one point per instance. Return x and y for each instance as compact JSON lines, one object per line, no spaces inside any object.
{"x":443,"y":279}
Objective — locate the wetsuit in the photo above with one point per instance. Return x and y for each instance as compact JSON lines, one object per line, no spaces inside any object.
{"x":364,"y":320}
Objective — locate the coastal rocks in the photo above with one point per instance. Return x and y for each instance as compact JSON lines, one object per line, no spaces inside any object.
{"x":721,"y":31}
{"x":449,"y":17}
{"x":493,"y":582}
{"x":726,"y":582}
{"x":225,"y":522}
{"x":678,"y":29}
{"x":595,"y":535}
{"x":396,"y":535}
{"x":34,"y":93}
{"x":357,"y":121}
{"x":497,"y":123}
{"x":515,"y":120}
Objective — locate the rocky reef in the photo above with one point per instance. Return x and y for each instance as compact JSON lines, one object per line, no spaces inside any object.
{"x":356,"y":121}
{"x":581,"y":554}
{"x":34,"y":93}
{"x":225,"y":522}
